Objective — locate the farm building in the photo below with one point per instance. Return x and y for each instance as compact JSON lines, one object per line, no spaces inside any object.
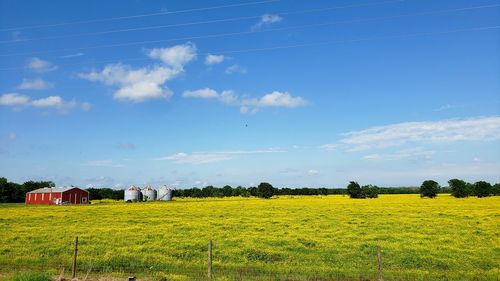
{"x":58,"y":196}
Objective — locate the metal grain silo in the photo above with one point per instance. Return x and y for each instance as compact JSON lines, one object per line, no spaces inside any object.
{"x":148,"y":193}
{"x":133,"y":194}
{"x":165,"y":193}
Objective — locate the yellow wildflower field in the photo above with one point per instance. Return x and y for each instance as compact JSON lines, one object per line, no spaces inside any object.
{"x":285,"y":238}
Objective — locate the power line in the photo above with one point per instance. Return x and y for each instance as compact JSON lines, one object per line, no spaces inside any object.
{"x":201,"y":22}
{"x":140,"y":15}
{"x":251,"y":31}
{"x":355,"y":40}
{"x":361,"y":39}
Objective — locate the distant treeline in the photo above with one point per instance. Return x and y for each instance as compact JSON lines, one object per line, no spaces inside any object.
{"x":228,"y":191}
{"x":11,"y":192}
{"x":105,"y":193}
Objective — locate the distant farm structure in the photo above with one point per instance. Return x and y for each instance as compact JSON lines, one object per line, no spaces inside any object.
{"x":148,"y":193}
{"x":58,"y":196}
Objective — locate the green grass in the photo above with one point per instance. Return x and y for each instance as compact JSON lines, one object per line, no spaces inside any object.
{"x":30,"y":276}
{"x":287,"y":238}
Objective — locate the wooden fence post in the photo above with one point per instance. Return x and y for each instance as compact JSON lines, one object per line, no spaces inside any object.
{"x":210,"y":259}
{"x":379,"y":264}
{"x":74,"y":258}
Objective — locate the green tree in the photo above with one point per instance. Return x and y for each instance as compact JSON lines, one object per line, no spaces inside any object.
{"x":94,"y":193}
{"x":496,"y":189}
{"x":482,"y":189}
{"x":265,"y":190}
{"x":429,"y":188}
{"x":354,"y":190}
{"x":6,"y":191}
{"x":459,"y":188}
{"x":370,"y":191}
{"x":227,"y":191}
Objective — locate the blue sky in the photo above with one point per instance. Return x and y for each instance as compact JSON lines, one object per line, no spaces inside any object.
{"x":296,"y":93}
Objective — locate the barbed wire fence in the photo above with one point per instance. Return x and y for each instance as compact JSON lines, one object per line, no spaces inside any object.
{"x":78,"y":260}
{"x":71,"y":264}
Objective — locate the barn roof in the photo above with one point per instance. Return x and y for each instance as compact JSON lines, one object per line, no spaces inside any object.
{"x":54,"y":189}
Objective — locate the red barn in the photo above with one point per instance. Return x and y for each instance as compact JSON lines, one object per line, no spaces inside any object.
{"x":58,"y":196}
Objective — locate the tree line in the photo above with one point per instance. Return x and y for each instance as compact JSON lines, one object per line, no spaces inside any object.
{"x":456,"y":187}
{"x":460,"y":189}
{"x":258,"y":191}
{"x":105,"y":193}
{"x":11,"y":192}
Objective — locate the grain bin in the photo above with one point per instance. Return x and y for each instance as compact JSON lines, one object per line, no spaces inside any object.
{"x":133,"y":194}
{"x":148,"y":193}
{"x":165,"y":193}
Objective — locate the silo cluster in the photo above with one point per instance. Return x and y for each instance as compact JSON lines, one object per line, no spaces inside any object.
{"x":148,"y":193}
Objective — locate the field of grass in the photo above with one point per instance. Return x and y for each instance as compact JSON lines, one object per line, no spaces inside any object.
{"x":287,"y":238}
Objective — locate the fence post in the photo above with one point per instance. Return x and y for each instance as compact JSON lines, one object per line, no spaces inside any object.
{"x":210,"y":259}
{"x":379,"y":264}
{"x":74,"y":258}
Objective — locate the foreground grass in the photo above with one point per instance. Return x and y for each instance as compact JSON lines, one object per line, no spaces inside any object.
{"x":30,"y":276}
{"x":288,"y":238}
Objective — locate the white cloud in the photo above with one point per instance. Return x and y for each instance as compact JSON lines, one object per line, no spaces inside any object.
{"x":176,"y":56}
{"x":329,"y":146}
{"x":51,"y":101}
{"x":14,"y":99}
{"x":197,"y":158}
{"x":443,"y":131}
{"x":281,"y":99}
{"x":205,"y":93}
{"x":312,"y":172}
{"x":235,"y":69}
{"x":100,"y":181}
{"x":211,"y":157}
{"x":39,"y":65}
{"x":211,"y":59}
{"x":20,"y":101}
{"x":273,"y":99}
{"x":448,"y":107}
{"x":267,"y":19}
{"x":411,"y":154}
{"x":371,"y":157}
{"x":86,"y":106}
{"x":136,"y":85}
{"x":72,"y":55}
{"x":142,"y":84}
{"x":244,"y":109}
{"x":34,"y":84}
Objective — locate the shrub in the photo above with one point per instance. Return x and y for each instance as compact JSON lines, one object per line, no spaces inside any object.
{"x":482,"y":189}
{"x":429,"y":188}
